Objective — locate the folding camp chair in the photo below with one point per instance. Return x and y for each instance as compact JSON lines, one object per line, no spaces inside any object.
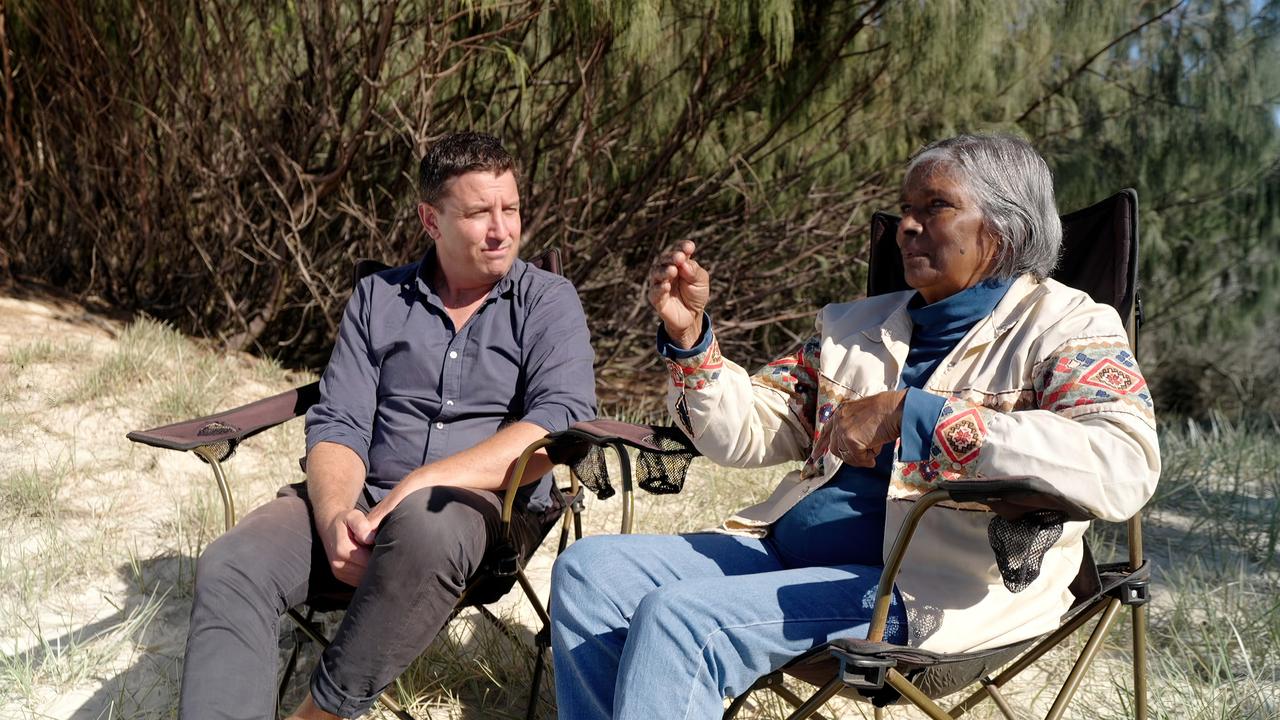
{"x":1100,"y":251}
{"x":214,"y":439}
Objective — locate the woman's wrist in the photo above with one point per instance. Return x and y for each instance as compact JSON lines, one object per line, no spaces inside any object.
{"x":685,"y":338}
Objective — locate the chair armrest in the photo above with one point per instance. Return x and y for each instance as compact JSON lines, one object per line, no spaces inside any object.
{"x":664,"y":454}
{"x":662,"y":460}
{"x":1010,"y":497}
{"x":1013,"y":496}
{"x":602,"y":432}
{"x":231,"y":426}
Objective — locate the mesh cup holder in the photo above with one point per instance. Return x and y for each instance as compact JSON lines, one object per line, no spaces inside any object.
{"x":660,"y":465}
{"x":663,"y":471}
{"x":592,"y":472}
{"x":220,"y":449}
{"x":1020,"y":545}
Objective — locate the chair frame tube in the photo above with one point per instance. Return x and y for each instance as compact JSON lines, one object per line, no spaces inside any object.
{"x":1084,"y":661}
{"x":228,"y":502}
{"x":1139,"y":625}
{"x":1027,"y":659}
{"x":990,"y":687}
{"x":884,"y":592}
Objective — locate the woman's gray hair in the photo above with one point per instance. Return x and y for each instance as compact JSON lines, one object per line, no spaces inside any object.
{"x":1014,"y":190}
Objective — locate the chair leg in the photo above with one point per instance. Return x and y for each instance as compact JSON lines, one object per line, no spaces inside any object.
{"x":291,"y":664}
{"x":913,"y":694}
{"x":535,"y":687}
{"x":1140,"y":661}
{"x":997,"y":697}
{"x":818,"y":699}
{"x":1084,"y":661}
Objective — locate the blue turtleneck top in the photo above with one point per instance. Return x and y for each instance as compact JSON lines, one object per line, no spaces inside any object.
{"x":842,"y":522}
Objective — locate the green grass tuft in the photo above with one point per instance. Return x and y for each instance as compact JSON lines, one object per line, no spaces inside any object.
{"x":32,"y":492}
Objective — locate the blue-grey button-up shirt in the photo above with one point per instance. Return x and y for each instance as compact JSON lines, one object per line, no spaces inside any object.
{"x":404,"y":388}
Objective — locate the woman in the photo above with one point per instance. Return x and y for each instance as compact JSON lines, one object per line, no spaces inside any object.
{"x":988,"y":368}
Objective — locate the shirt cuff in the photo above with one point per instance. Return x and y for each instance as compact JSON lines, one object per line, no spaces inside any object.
{"x":920,"y":413}
{"x":670,"y":351}
{"x":339,"y":436}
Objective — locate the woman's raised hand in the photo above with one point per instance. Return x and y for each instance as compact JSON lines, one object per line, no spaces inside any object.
{"x":678,"y":290}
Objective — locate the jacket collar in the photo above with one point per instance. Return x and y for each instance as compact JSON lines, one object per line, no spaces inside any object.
{"x":895,"y":331}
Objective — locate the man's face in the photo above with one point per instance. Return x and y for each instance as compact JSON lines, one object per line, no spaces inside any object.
{"x":476,"y":228}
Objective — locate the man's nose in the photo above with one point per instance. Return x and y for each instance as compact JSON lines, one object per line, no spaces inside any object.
{"x":498,"y":223}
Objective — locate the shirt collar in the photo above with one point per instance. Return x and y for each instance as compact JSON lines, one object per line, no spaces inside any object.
{"x":505,"y":286}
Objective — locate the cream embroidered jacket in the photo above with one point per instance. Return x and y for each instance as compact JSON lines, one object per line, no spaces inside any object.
{"x":1046,"y":385}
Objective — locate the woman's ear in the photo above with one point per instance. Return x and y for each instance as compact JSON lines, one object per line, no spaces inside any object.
{"x":991,"y":245}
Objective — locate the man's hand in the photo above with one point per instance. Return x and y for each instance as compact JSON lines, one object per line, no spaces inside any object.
{"x":859,"y":428}
{"x":348,"y":553}
{"x":678,"y":289}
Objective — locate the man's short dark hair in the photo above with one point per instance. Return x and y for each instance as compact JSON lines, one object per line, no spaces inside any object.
{"x":457,"y":154}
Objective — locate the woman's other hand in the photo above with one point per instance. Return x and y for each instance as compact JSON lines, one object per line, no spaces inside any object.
{"x":678,"y":289}
{"x":858,"y":428}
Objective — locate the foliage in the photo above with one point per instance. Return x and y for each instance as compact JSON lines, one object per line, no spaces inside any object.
{"x":221,"y":164}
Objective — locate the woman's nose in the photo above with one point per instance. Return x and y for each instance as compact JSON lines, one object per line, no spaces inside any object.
{"x":908,"y":225}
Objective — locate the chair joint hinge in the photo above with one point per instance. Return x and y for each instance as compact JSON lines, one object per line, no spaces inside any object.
{"x":1133,"y":592}
{"x":864,"y":673}
{"x":505,"y":563}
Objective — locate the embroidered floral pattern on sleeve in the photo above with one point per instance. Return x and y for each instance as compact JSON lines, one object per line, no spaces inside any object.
{"x":699,"y":371}
{"x":795,"y":375}
{"x":1084,"y":374}
{"x":1072,"y":382}
{"x":957,"y":441}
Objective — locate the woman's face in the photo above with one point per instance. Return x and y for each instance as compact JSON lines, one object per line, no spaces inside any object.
{"x":945,"y":246}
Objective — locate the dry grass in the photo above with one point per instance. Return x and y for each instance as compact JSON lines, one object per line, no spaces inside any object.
{"x":99,"y":540}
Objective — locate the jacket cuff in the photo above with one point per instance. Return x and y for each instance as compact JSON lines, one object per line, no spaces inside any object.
{"x":958,"y":437}
{"x":696,"y":367}
{"x":670,"y":351}
{"x":920,"y":414}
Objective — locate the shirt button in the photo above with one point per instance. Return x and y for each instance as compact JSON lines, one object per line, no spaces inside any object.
{"x":453,"y":354}
{"x":439,"y":426}
{"x":448,"y":402}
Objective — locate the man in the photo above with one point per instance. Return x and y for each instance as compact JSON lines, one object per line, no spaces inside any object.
{"x":443,"y":372}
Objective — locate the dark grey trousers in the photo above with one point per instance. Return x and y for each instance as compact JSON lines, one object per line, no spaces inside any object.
{"x":425,"y":551}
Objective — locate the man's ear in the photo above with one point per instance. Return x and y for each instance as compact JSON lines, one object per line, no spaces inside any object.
{"x":427,"y":215}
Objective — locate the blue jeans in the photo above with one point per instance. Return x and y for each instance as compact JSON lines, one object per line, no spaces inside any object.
{"x":667,"y":626}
